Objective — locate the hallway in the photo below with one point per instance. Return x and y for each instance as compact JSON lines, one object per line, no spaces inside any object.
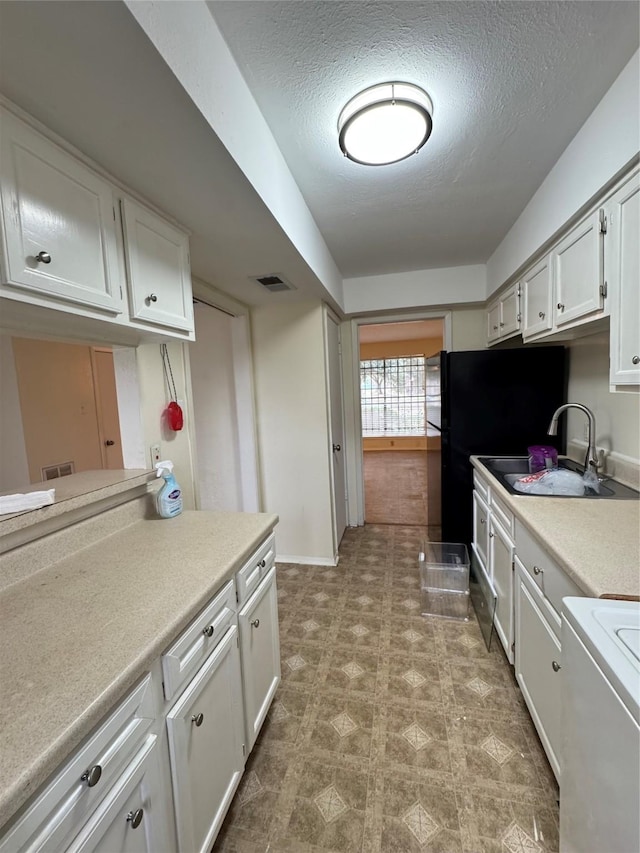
{"x":390,"y":732}
{"x":395,"y":487}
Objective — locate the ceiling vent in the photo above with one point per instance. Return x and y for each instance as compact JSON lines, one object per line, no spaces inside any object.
{"x":274,"y":282}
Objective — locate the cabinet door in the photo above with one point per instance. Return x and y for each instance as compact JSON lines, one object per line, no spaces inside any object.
{"x":538,"y":665}
{"x":493,"y":322}
{"x":578,"y":270}
{"x":260,"y":647}
{"x":623,"y":274}
{"x":205,"y":742}
{"x":537,"y":295}
{"x":158,"y":268}
{"x":133,"y":817}
{"x":501,"y":575}
{"x":510,"y":311}
{"x":480,"y":527}
{"x":59,"y":231}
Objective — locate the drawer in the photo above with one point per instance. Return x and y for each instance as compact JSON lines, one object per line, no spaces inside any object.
{"x":549,"y":577}
{"x":48,"y":823}
{"x":194,"y":645}
{"x":503,"y":514}
{"x":256,"y":568}
{"x":481,"y":486}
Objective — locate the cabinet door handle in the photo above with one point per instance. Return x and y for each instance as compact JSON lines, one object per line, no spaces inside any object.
{"x":555,"y":666}
{"x":337,"y":448}
{"x":541,"y":315}
{"x":197,"y":719}
{"x":501,"y":325}
{"x":92,"y":775}
{"x":537,"y":570}
{"x":256,"y":623}
{"x":491,"y":535}
{"x":495,"y":328}
{"x":483,"y":521}
{"x":560,"y":306}
{"x":263,"y":563}
{"x":152,"y":297}
{"x":43,"y":258}
{"x":135,"y":818}
{"x":635,"y":359}
{"x":208,"y":631}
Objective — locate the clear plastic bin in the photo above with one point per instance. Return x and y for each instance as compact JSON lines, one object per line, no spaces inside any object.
{"x":444,"y":580}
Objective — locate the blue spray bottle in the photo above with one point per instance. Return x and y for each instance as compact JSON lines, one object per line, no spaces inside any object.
{"x":169,"y":498}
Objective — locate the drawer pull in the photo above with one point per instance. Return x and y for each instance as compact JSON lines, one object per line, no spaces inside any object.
{"x":256,"y":623}
{"x":262,"y":563}
{"x":92,"y":775}
{"x":491,"y":535}
{"x":555,"y":666}
{"x":152,"y":297}
{"x":541,"y":315}
{"x":135,"y":818}
{"x":43,"y":258}
{"x":537,"y":570}
{"x":208,"y":631}
{"x":197,"y":719}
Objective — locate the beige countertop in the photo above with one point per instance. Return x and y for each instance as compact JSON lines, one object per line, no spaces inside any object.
{"x":596,"y":542}
{"x":77,"y":635}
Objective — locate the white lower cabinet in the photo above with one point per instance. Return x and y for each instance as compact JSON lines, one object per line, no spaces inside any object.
{"x":206,"y":737}
{"x":134,"y":815}
{"x":538,"y":662}
{"x":501,"y":575}
{"x":260,"y":653}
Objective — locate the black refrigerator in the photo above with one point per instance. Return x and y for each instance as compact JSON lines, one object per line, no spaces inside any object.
{"x":493,"y":403}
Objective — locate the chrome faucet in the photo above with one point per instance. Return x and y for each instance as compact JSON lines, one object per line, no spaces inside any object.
{"x":591,"y":459}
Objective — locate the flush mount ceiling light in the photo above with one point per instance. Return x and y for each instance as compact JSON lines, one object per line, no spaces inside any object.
{"x":385,"y":123}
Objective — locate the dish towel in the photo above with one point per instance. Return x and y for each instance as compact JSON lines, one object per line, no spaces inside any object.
{"x":32,"y":500}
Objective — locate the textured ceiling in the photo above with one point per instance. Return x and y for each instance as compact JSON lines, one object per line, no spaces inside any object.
{"x":511,"y":82}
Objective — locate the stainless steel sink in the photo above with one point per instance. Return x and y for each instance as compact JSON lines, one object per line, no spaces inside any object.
{"x":508,"y":469}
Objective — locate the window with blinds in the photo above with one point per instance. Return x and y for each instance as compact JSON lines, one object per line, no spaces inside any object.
{"x":393,"y":396}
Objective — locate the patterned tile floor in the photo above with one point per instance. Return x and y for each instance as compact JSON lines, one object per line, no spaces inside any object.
{"x":390,"y":731}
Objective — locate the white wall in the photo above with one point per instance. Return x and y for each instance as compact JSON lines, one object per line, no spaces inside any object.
{"x":606,"y":142}
{"x":188,"y":39}
{"x":418,"y":289}
{"x":214,"y":406}
{"x":293,"y":431}
{"x":14,"y":469}
{"x":617,"y":415}
{"x":154,"y":398}
{"x":468,"y":329}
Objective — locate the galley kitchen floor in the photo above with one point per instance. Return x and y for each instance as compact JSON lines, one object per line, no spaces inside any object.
{"x":390,"y":732}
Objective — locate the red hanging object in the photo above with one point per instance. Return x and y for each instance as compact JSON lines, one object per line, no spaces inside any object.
{"x":175,"y":417}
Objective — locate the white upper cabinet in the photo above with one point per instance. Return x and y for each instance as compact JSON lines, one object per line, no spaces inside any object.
{"x":623,"y":276}
{"x":503,"y":315}
{"x":578,"y":268}
{"x":537,"y":296}
{"x":157,"y":256}
{"x":58,"y":235}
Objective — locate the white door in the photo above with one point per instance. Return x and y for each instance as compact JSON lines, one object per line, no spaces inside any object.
{"x":58,"y":222}
{"x":501,"y":575}
{"x":623,"y":272}
{"x":133,"y":816}
{"x":537,"y":293}
{"x":158,"y":268}
{"x":104,"y":381}
{"x":578,"y":270}
{"x":538,"y":664}
{"x":336,"y":417}
{"x":205,"y":729}
{"x":259,"y":654}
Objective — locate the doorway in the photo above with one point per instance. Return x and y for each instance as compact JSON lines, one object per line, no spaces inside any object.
{"x":400,"y":449}
{"x":65,"y":408}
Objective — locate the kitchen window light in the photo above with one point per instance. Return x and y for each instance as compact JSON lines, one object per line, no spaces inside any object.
{"x":385,"y":123}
